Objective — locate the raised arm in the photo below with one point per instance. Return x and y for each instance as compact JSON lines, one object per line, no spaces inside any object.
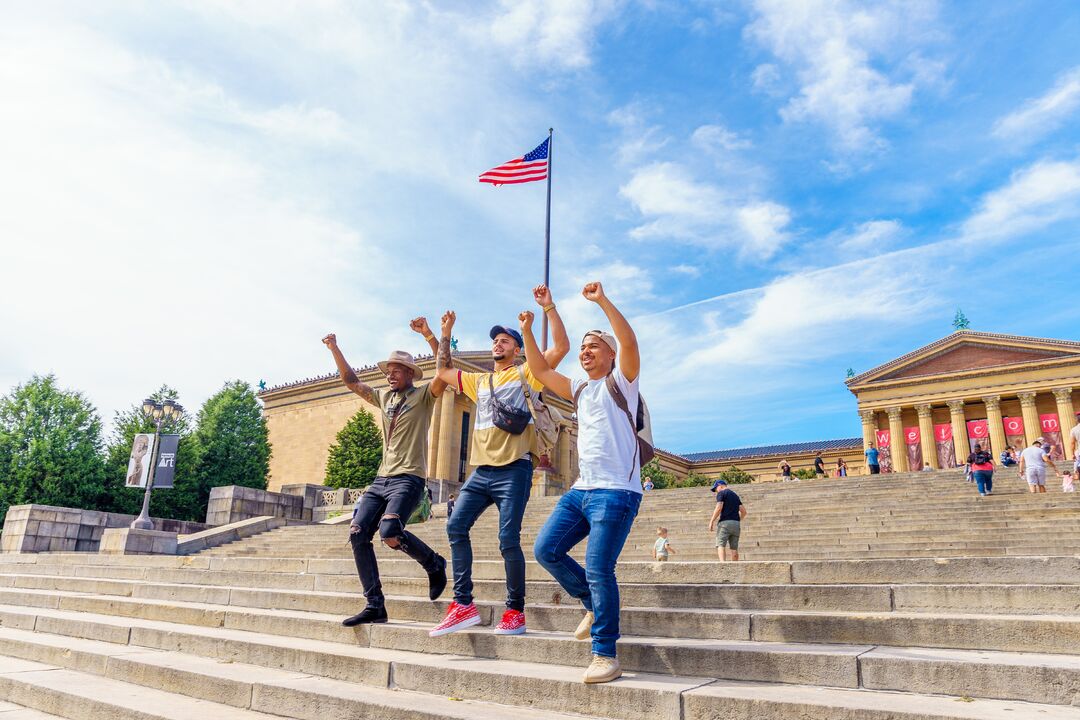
{"x":552,"y":380}
{"x":629,"y":358}
{"x":554,"y":354}
{"x":444,"y":363}
{"x":420,"y":325}
{"x":348,"y":375}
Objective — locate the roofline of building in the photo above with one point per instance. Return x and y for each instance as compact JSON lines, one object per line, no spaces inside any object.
{"x":941,"y":342}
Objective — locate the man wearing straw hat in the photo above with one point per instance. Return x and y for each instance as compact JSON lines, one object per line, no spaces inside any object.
{"x":399,"y":484}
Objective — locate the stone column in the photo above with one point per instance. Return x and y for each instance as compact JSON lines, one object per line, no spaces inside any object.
{"x":444,"y":470}
{"x":1032,"y":427}
{"x":565,"y":471}
{"x":433,"y":440}
{"x":898,"y":448}
{"x":959,"y":430}
{"x":1066,"y":416}
{"x":869,"y":433}
{"x":926,"y":435}
{"x":996,"y":429}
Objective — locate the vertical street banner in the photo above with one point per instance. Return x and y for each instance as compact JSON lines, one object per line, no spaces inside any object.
{"x":884,"y":443}
{"x":1014,"y":432}
{"x":978,"y":433}
{"x":142,"y":452}
{"x":1051,"y":432}
{"x":165,"y":469}
{"x":914,"y":448}
{"x":943,"y":441}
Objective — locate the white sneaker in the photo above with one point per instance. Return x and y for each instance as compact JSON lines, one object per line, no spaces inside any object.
{"x":584,"y":628}
{"x":602,"y":670}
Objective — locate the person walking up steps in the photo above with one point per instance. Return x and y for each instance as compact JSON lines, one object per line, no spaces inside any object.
{"x":503,"y":446}
{"x":662,"y":547}
{"x":1033,"y":463}
{"x":602,"y":504}
{"x":726,"y":521}
{"x":399,"y":484}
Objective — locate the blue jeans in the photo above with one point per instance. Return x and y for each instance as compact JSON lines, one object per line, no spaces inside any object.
{"x":508,"y":488}
{"x":605,"y":517}
{"x":985,"y":480}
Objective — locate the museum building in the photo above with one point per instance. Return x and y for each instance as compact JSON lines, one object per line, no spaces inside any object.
{"x":926,"y":407}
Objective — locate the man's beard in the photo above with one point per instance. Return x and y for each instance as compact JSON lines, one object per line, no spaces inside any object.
{"x":498,"y":358}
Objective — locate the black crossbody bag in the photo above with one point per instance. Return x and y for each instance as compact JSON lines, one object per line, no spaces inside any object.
{"x":507,"y":417}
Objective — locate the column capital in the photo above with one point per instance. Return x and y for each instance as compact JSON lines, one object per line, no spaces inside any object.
{"x":993,"y":402}
{"x":923,"y":410}
{"x":1063,"y":395}
{"x":894,"y":414}
{"x":956,"y":407}
{"x":867,"y":416}
{"x":1027,"y":399}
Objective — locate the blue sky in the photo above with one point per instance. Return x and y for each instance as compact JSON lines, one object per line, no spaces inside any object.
{"x":773,"y":191}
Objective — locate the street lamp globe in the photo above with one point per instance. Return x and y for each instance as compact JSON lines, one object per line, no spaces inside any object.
{"x":148,"y":406}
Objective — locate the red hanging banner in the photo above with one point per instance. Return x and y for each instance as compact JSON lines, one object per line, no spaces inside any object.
{"x":1051,"y":431}
{"x":914,"y":448}
{"x":1013,"y":426}
{"x":943,"y":440}
{"x":978,"y":429}
{"x":1050,"y":423}
{"x":883,"y":438}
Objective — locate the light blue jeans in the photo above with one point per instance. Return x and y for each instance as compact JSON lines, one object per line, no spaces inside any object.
{"x":605,"y":517}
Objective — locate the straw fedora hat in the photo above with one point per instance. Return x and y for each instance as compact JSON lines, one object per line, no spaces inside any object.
{"x":402,"y":358}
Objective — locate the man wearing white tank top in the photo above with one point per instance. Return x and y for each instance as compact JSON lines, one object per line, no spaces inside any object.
{"x":604,"y":501}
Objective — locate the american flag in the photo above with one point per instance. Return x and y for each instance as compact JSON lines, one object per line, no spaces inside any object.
{"x":530,"y":168}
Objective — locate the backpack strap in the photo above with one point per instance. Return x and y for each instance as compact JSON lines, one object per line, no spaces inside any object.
{"x":525,"y":387}
{"x":620,"y":400}
{"x":577,"y":394}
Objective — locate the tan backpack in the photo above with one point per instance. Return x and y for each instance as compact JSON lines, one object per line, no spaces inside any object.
{"x":546,"y":419}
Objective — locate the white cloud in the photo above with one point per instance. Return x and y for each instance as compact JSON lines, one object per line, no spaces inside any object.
{"x":717,"y":137}
{"x":688,"y":270}
{"x":680,"y":207}
{"x":549,"y":32}
{"x":766,"y":78}
{"x":638,"y":140}
{"x":832,"y":47}
{"x":874,"y":237}
{"x":1035,"y":197}
{"x":1043,"y":114}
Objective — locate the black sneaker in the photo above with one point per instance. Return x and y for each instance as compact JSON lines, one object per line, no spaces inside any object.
{"x":368,"y":615}
{"x":437,"y":581}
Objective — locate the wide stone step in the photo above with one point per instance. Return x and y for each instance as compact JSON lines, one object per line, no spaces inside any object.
{"x":11,"y":711}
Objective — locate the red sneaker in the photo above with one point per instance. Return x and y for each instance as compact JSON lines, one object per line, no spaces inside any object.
{"x":513,"y":623}
{"x":458,"y":617}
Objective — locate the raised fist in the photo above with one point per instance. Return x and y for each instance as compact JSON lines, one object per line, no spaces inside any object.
{"x":542,"y":295}
{"x":593,"y":291}
{"x":525,"y":317}
{"x":330,"y":340}
{"x":420,"y":325}
{"x":448,"y":319}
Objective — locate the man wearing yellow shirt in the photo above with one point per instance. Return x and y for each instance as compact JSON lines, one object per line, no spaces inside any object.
{"x":503,"y":448}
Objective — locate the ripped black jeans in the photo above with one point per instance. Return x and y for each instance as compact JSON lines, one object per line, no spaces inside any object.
{"x":398,"y":495}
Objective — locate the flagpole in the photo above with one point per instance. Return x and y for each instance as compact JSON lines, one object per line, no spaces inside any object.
{"x":547,"y":235}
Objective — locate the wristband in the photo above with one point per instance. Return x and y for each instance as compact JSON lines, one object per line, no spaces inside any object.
{"x":548,"y":308}
{"x":429,"y":336}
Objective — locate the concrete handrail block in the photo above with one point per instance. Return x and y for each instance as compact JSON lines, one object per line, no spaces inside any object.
{"x":187,"y":544}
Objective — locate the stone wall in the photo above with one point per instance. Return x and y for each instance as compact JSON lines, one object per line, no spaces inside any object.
{"x":45,"y":528}
{"x":231,"y":503}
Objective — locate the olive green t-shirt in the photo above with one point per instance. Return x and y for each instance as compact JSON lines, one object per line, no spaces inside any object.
{"x":405,"y":451}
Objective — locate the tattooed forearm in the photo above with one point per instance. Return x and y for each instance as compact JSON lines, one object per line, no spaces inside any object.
{"x":349,"y":376}
{"x":444,"y":360}
{"x":366,"y":393}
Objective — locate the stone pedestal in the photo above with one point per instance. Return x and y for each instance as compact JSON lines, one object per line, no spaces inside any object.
{"x":546,"y":482}
{"x":126,"y":541}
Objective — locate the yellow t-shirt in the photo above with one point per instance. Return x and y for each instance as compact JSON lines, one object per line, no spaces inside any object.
{"x":490,"y":445}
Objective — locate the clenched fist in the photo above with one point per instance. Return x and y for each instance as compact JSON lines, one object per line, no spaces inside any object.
{"x":420,"y":325}
{"x":593,"y":291}
{"x":448,"y":319}
{"x":542,"y":295}
{"x":525,"y":317}
{"x":330,"y":340}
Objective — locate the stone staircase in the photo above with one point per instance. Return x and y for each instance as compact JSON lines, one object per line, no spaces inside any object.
{"x":836,"y":630}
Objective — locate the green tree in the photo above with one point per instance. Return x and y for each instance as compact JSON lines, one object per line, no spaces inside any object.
{"x":231,"y":447}
{"x":804,"y":473}
{"x":50,"y":447}
{"x":354,"y":458}
{"x":735,"y":476}
{"x":171,"y":503}
{"x":661,"y":478}
{"x":694,"y":480}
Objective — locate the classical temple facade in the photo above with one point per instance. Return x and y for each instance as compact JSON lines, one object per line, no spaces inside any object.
{"x":933,"y":404}
{"x":926,"y":407}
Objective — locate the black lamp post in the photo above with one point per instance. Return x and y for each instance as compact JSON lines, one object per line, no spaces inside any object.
{"x":158,"y":412}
